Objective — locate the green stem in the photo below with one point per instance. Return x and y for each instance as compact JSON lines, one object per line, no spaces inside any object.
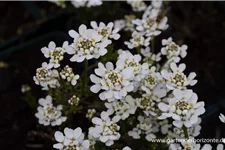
{"x":138,"y":49}
{"x":153,"y":45}
{"x":185,"y":132}
{"x":85,"y":74}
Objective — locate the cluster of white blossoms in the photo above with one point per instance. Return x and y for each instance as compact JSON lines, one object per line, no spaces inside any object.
{"x":122,"y":108}
{"x":90,"y":43}
{"x":143,"y":98}
{"x":137,"y":5}
{"x":105,"y":130}
{"x":71,"y":140}
{"x":46,"y":77}
{"x":67,"y":73}
{"x":145,"y":126}
{"x":48,"y":114}
{"x":86,"y":3}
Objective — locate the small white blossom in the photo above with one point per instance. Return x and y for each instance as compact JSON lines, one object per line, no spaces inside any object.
{"x":126,"y":148}
{"x":125,"y":23}
{"x":90,"y":113}
{"x":25,"y":88}
{"x":74,"y":100}
{"x":165,"y":126}
{"x":105,"y":129}
{"x":126,"y":59}
{"x":115,"y":82}
{"x":137,"y":40}
{"x":87,"y":44}
{"x":157,"y":4}
{"x":106,"y":31}
{"x":222,"y":118}
{"x":177,"y":79}
{"x":86,"y":3}
{"x":60,"y":3}
{"x":56,"y":54}
{"x":171,"y":49}
{"x":151,"y":80}
{"x":183,"y":108}
{"x":149,"y":24}
{"x":49,"y":114}
{"x":122,"y":108}
{"x":145,"y":127}
{"x":149,"y":57}
{"x":137,"y":5}
{"x":71,"y":139}
{"x":147,"y":104}
{"x":67,"y":73}
{"x":46,"y":77}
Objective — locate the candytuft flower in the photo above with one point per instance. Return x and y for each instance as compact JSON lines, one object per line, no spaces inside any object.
{"x":49,"y":114}
{"x":87,"y":44}
{"x":115,"y":83}
{"x":86,"y":3}
{"x":105,"y":129}
{"x":71,"y":139}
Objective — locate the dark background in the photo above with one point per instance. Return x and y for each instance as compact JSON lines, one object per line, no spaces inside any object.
{"x":25,"y":27}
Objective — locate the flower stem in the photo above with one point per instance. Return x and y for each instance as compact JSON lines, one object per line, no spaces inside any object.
{"x":185,"y":132}
{"x":85,"y":74}
{"x":138,"y":49}
{"x":153,"y":45}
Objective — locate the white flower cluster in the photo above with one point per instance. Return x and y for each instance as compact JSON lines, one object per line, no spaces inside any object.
{"x":49,"y":114}
{"x":145,"y":126}
{"x":72,"y":140}
{"x":91,"y":43}
{"x":137,"y":5}
{"x":105,"y":129}
{"x":67,"y":73}
{"x":86,"y":3}
{"x":46,"y":77}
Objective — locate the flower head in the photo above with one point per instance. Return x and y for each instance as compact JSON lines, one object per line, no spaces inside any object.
{"x":49,"y":114}
{"x":87,"y":44}
{"x":115,"y":83}
{"x":71,"y":140}
{"x":105,"y":129}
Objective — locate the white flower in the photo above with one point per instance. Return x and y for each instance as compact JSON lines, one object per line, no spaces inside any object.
{"x":106,"y":31}
{"x":71,"y":139}
{"x":126,"y":59}
{"x":56,"y":54}
{"x":88,"y":3}
{"x":137,"y":40}
{"x":105,"y":130}
{"x":46,"y":77}
{"x":171,"y":49}
{"x":222,"y":118}
{"x":149,"y":57}
{"x":49,"y":114}
{"x":157,"y":4}
{"x":145,"y":127}
{"x":67,"y":73}
{"x":115,"y":82}
{"x":125,"y":23}
{"x":137,"y":5}
{"x":183,"y":108}
{"x":126,"y":148}
{"x":151,"y":80}
{"x":147,"y":104}
{"x":165,"y":126}
{"x":87,"y":44}
{"x":90,"y":113}
{"x":25,"y":88}
{"x":74,"y":100}
{"x":60,"y":3}
{"x":177,"y":79}
{"x":122,"y":108}
{"x":149,"y":24}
